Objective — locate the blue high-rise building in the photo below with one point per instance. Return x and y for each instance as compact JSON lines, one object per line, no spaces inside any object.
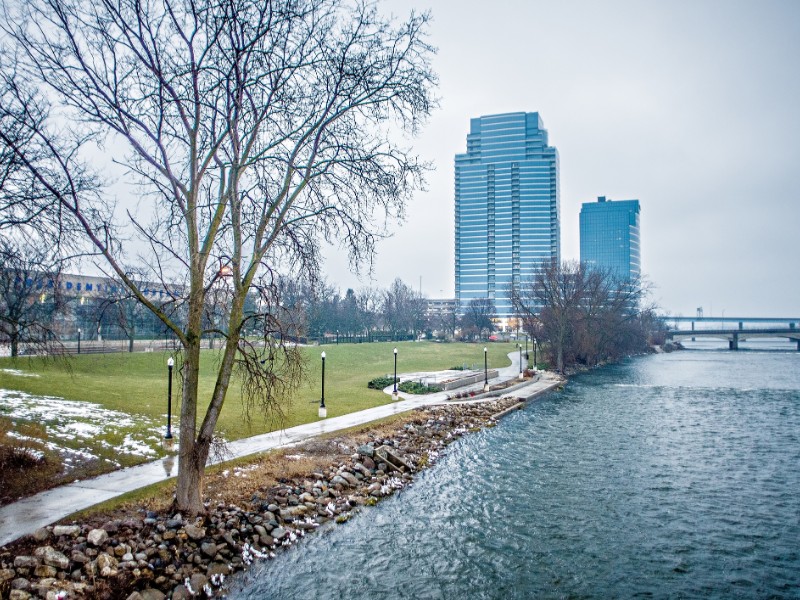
{"x":610,"y":236}
{"x":506,"y":207}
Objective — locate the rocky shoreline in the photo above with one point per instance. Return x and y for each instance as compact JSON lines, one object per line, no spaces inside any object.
{"x":143,"y":554}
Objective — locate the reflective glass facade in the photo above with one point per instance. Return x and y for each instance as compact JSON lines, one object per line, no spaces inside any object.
{"x":506,"y":207}
{"x":610,"y":236}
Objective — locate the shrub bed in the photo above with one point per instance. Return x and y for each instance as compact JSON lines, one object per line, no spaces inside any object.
{"x":380,"y":383}
{"x":414,"y":387}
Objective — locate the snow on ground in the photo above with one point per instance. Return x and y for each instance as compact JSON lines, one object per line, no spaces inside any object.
{"x":82,"y":431}
{"x":130,"y":445}
{"x":19,"y":373}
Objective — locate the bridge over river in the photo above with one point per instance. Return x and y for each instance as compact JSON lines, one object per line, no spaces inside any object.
{"x":733,"y":329}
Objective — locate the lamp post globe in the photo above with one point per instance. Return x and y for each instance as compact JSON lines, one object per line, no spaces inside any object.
{"x":323,"y":411}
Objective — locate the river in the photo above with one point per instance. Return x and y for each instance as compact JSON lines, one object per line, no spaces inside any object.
{"x":668,"y":476}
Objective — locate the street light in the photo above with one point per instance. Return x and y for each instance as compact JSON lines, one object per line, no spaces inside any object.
{"x":526,"y":346}
{"x":520,"y":361}
{"x":535,"y":363}
{"x":485,"y":370}
{"x":394,"y":381}
{"x":170,"y":364}
{"x":323,"y":412}
{"x":79,"y":340}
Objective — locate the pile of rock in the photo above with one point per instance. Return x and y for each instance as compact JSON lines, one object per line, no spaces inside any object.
{"x":151,"y":556}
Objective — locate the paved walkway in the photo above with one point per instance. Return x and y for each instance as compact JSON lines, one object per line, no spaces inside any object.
{"x":27,"y":515}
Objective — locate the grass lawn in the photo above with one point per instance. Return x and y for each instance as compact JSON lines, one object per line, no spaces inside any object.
{"x":94,"y":413}
{"x":136,"y":383}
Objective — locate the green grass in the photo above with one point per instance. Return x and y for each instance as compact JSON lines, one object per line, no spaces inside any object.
{"x":89,"y":441}
{"x":137,"y":383}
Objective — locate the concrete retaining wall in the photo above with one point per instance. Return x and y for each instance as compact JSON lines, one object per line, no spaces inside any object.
{"x":469,"y":380}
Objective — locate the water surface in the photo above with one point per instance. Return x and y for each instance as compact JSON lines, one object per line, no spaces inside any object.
{"x":669,"y":476}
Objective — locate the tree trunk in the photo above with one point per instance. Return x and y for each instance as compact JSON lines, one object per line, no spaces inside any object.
{"x":130,"y":344}
{"x":191,"y":454}
{"x":191,"y":471}
{"x":14,"y":345}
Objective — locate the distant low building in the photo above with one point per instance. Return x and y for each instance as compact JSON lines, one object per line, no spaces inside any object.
{"x":437,"y":307}
{"x":99,"y":307}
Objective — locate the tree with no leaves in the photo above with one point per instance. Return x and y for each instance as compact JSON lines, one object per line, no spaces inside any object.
{"x":253,"y":128}
{"x":30,"y":295}
{"x":586,"y":315}
{"x":403,"y":309}
{"x":478,"y":316}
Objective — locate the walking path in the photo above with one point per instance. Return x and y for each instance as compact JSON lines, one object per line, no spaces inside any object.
{"x":29,"y":514}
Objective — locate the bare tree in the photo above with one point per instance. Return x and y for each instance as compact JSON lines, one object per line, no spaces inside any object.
{"x":587,"y":315}
{"x":403,"y":308}
{"x":253,"y":127}
{"x":444,"y":321}
{"x":369,"y":305}
{"x":609,"y":317}
{"x":554,"y":295}
{"x":30,"y":295}
{"x":478,"y":316}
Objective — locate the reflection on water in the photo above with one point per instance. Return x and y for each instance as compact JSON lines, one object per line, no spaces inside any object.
{"x":669,"y":476}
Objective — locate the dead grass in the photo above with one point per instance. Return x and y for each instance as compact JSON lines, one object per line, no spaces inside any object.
{"x":27,"y":466}
{"x":236,"y":481}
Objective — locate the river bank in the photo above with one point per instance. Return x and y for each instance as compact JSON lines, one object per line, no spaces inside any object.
{"x":255,"y":509}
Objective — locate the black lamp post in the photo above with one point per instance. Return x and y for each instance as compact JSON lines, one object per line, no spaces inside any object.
{"x":535,"y":362}
{"x":170,"y":364}
{"x":323,"y":412}
{"x":520,"y":361}
{"x":485,"y":369}
{"x":394,"y":381}
{"x":79,"y":340}
{"x":526,"y":346}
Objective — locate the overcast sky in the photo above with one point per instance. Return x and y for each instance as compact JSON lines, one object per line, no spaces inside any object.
{"x":690,"y":106}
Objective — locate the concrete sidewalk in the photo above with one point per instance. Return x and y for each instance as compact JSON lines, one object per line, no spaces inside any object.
{"x":27,"y":515}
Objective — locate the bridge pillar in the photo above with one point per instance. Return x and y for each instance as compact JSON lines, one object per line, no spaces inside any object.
{"x":741,"y":325}
{"x":733,"y":343}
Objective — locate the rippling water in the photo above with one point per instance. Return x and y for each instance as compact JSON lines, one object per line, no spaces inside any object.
{"x":670,"y":476}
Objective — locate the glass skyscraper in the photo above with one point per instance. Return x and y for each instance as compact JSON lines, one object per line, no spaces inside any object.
{"x":610,"y":236}
{"x":506,"y":207}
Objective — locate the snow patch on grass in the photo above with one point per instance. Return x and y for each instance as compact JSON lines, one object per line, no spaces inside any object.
{"x":83,"y":431}
{"x":130,"y":445}
{"x":18,"y":373}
